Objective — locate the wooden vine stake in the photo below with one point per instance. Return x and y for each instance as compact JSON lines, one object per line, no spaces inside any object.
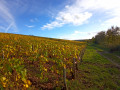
{"x":79,"y":58}
{"x":64,"y":77}
{"x":74,"y":68}
{"x":81,"y":55}
{"x":32,"y":47}
{"x":3,"y":54}
{"x":76,"y":64}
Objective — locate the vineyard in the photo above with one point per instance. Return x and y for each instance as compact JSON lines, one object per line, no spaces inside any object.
{"x":29,"y":62}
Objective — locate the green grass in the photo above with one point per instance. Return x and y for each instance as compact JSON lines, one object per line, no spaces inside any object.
{"x":102,"y":48}
{"x":95,"y":73}
{"x":112,"y":57}
{"x":98,"y":47}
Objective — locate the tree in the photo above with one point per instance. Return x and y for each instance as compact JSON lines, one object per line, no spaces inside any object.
{"x":100,"y":37}
{"x":110,"y":38}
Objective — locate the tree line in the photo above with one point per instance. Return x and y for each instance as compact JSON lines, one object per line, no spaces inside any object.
{"x":109,"y":39}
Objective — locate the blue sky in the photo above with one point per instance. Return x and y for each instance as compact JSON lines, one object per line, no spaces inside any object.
{"x":64,"y":19}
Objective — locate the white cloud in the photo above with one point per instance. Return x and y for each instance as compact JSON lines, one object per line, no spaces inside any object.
{"x":78,"y":35}
{"x":81,"y":10}
{"x":11,"y":25}
{"x":8,"y":22}
{"x":34,"y":20}
{"x":30,"y":26}
{"x":101,"y":5}
{"x":52,"y":25}
{"x":111,"y":9}
{"x":68,"y":18}
{"x":74,"y":18}
{"x":115,"y":21}
{"x":31,"y":20}
{"x":70,"y":15}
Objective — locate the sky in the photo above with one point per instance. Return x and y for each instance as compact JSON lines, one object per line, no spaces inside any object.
{"x":62,"y":19}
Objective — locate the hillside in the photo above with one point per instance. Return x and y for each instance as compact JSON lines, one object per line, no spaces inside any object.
{"x":36,"y":62}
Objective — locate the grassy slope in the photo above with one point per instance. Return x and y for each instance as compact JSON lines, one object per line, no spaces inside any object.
{"x":115,"y":56}
{"x":99,"y":47}
{"x":29,"y":62}
{"x":96,"y":72}
{"x":112,"y":57}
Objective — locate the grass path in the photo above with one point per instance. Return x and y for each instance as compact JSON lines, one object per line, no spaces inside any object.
{"x":107,"y":55}
{"x":95,"y":73}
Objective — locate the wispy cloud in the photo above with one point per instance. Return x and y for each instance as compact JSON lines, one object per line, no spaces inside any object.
{"x":34,"y":20}
{"x":70,"y":15}
{"x":8,"y":21}
{"x":81,"y":10}
{"x":114,"y":21}
{"x":52,"y":25}
{"x":30,"y":26}
{"x":79,"y":35}
{"x":10,"y":26}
